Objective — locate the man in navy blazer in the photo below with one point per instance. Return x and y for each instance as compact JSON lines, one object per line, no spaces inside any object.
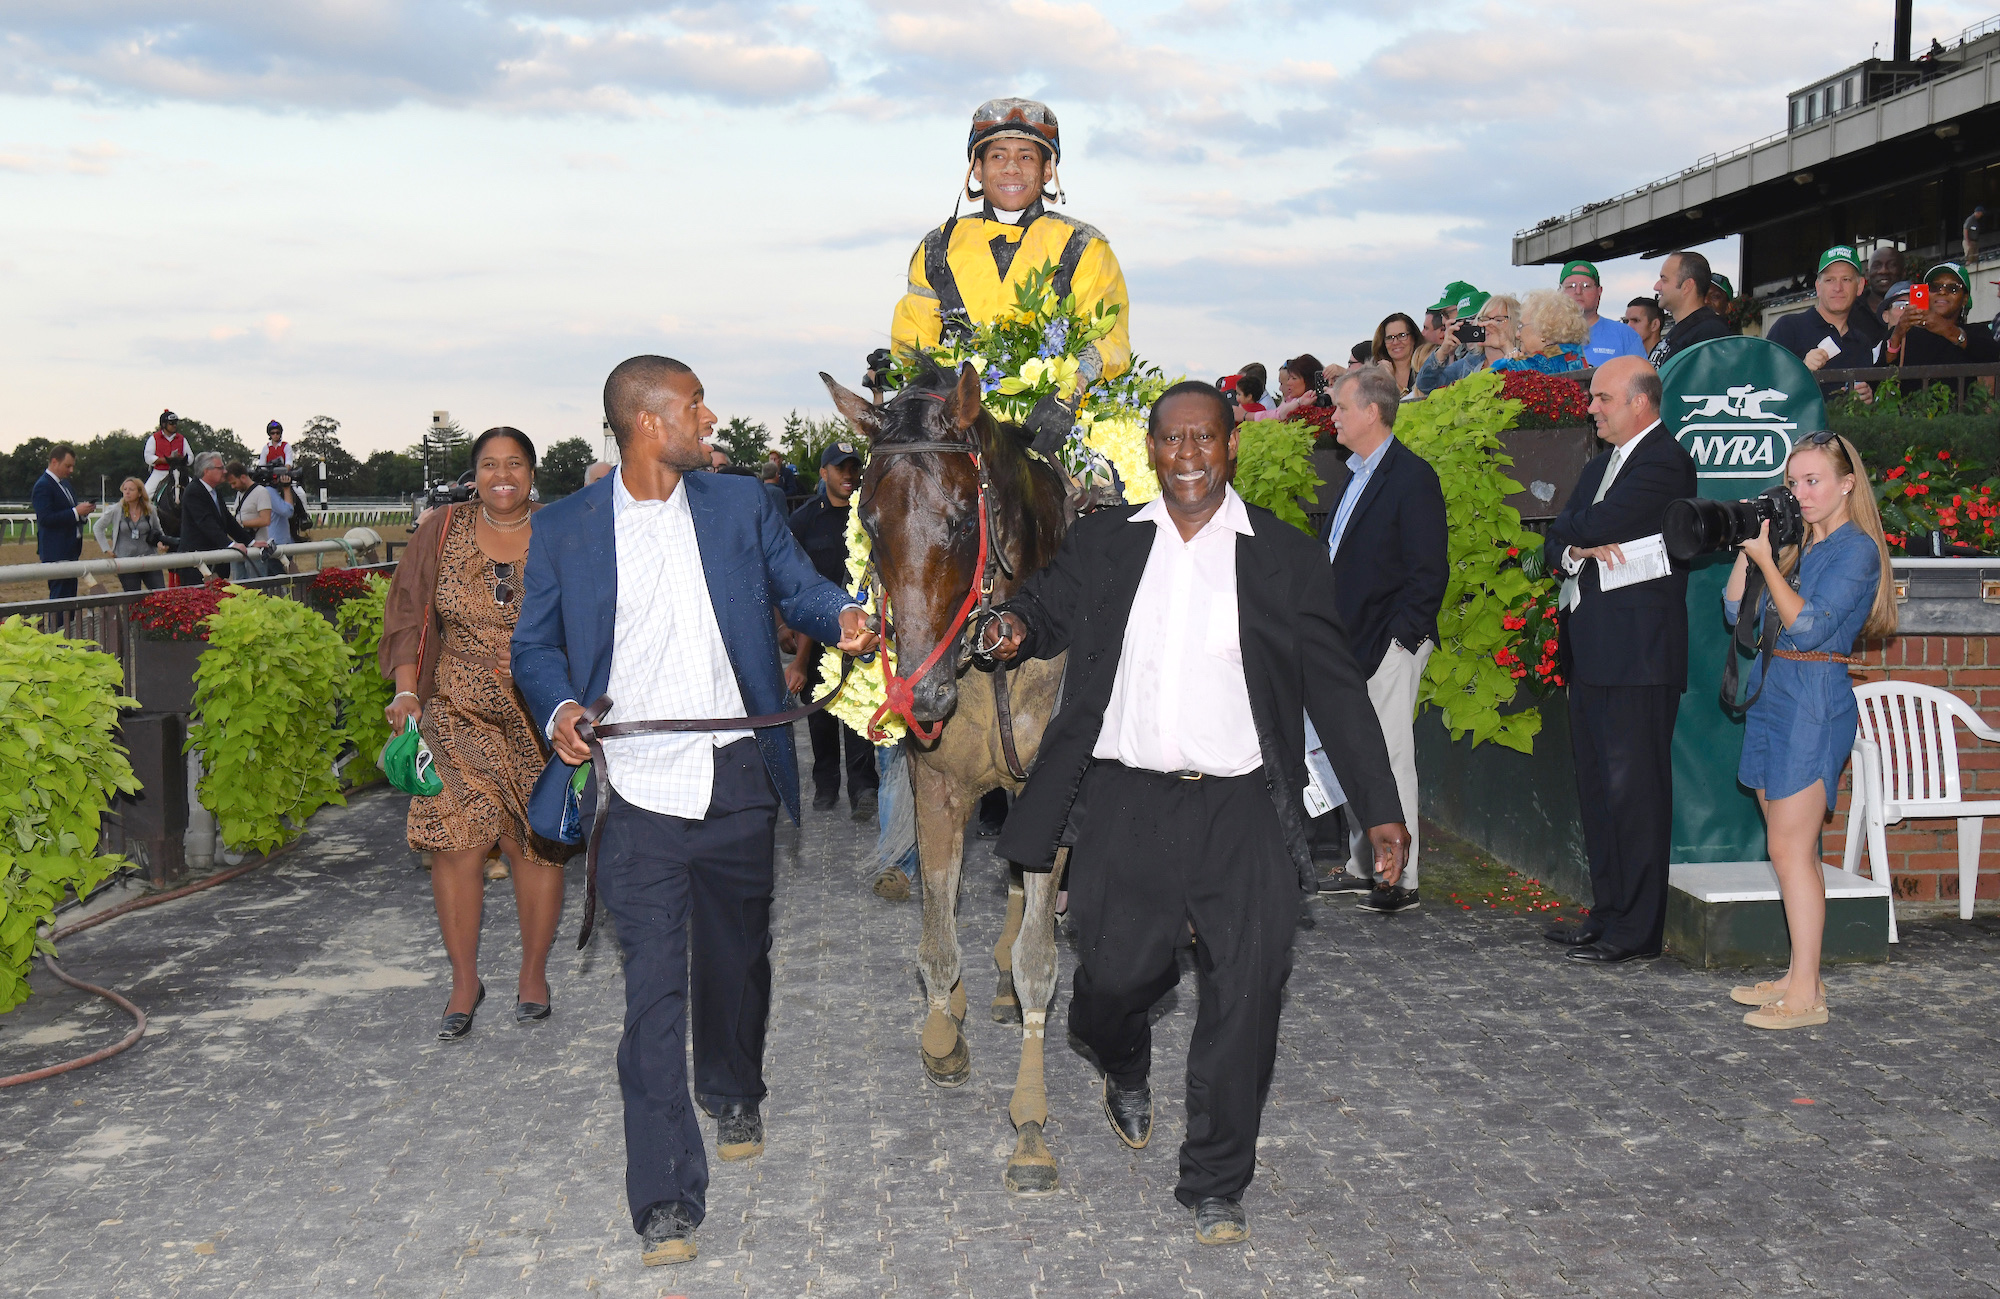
{"x":1624,"y":655}
{"x":58,"y":538}
{"x":1389,"y":545}
{"x":656,"y":586}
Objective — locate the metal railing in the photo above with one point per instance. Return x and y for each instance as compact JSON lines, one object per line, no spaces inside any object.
{"x":106,"y":620}
{"x":19,"y":525}
{"x":110,"y":565}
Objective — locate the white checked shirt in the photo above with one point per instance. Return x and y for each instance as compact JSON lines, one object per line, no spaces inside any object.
{"x":667,"y":659}
{"x":1179,"y":702}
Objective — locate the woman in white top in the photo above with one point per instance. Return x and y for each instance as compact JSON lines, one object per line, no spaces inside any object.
{"x":131,"y":530}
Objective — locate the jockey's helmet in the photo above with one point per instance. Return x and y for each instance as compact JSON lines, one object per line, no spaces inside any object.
{"x":1014,"y":119}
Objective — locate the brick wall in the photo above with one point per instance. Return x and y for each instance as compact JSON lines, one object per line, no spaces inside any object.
{"x":1923,"y":855}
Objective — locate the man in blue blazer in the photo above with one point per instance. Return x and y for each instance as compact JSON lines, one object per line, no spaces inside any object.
{"x":656,"y":586}
{"x":58,"y":538}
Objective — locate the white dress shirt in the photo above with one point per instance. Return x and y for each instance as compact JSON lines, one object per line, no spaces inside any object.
{"x":1572,"y":563}
{"x":667,"y":659}
{"x":1179,"y":702}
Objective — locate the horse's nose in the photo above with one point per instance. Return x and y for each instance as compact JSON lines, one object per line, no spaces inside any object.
{"x":933,"y":698}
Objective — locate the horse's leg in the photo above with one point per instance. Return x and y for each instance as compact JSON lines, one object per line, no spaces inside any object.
{"x":1032,"y":1170}
{"x":1006,"y":1006}
{"x":941,"y":812}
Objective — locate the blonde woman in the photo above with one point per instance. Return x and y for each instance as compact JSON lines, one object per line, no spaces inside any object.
{"x":131,"y":530}
{"x":1800,"y":728}
{"x":1551,"y":335}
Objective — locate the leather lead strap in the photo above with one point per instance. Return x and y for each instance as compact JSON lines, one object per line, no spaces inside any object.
{"x":594,"y":735}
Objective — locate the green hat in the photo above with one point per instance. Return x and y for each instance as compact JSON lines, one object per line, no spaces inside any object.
{"x":1728,"y":289}
{"x":1840,"y":253}
{"x":1579,"y":267}
{"x":1956,"y":268}
{"x":1452,"y":293}
{"x":406,"y":760}
{"x":1469,"y":305}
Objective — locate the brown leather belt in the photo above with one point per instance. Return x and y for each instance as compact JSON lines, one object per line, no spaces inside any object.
{"x":594,"y":732}
{"x":1817,"y":656}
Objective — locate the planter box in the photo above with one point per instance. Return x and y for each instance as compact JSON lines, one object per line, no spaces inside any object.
{"x":1729,"y":914}
{"x":1547,"y":462}
{"x":163,"y":673}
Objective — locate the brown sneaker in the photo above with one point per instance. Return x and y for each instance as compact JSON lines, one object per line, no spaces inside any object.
{"x":668,"y":1237}
{"x":1779,"y":1015}
{"x":1762,"y":994}
{"x":892,"y":885}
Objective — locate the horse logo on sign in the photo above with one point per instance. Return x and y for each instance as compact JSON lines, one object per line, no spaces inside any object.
{"x":1731,"y":435}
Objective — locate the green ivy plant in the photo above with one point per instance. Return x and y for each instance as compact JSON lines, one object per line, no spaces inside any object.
{"x":265,"y":718}
{"x":366,"y":691}
{"x":1274,"y":468}
{"x":1476,"y":670}
{"x":59,"y":769}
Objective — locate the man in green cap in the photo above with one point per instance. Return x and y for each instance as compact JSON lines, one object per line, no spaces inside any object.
{"x":1608,"y":338}
{"x":1834,"y":333}
{"x":1720,"y":294}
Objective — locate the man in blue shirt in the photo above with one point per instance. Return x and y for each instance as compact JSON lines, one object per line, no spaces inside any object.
{"x":1608,"y":338}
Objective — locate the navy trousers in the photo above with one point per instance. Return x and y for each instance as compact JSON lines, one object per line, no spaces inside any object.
{"x":691,"y":897}
{"x":1622,"y":738}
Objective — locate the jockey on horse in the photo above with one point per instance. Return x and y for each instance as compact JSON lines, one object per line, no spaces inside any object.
{"x":964,"y":272}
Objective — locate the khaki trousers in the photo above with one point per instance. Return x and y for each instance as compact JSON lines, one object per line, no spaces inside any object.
{"x":1393,"y":691}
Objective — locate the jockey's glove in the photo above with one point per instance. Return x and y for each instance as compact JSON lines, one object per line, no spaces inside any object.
{"x":1049,"y":425}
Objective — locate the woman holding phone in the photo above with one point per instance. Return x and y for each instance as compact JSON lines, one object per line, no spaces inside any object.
{"x":1828,"y":593}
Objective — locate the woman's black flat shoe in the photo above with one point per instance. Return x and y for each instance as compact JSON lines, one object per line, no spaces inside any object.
{"x":529,"y":1012}
{"x":456,"y":1024}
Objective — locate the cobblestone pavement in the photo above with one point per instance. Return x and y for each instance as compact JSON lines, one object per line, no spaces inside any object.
{"x":1456,"y":1112}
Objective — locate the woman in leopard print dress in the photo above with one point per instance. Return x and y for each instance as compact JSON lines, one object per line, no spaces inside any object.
{"x":449,"y":618}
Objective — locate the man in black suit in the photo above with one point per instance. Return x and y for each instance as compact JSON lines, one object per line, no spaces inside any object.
{"x":1683,"y":289}
{"x":207,"y":524}
{"x":58,"y":538}
{"x":1624,"y":655}
{"x":1388,"y":542}
{"x":1200,"y":633}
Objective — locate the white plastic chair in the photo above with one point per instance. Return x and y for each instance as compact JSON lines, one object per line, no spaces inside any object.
{"x":1906,"y":765}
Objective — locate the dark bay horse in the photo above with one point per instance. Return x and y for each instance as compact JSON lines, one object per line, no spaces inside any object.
{"x":938,"y":463}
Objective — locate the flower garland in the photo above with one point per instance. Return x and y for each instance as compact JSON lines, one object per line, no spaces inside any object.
{"x":864,"y":691}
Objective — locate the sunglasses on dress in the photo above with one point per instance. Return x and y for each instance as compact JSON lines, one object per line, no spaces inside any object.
{"x":503,"y":593}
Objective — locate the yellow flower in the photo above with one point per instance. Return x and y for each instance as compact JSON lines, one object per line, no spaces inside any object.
{"x":1121,"y":439}
{"x":863,"y":693}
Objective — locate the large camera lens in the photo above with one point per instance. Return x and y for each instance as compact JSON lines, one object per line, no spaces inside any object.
{"x":1697,"y":526}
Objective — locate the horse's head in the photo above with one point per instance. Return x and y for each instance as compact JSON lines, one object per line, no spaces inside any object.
{"x":921,"y":512}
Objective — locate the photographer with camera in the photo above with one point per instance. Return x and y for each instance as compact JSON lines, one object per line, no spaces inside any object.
{"x":1822,"y":576}
{"x":253,"y":515}
{"x":1483,"y":334}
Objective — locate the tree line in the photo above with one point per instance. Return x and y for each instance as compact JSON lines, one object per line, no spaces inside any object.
{"x":118,"y":455}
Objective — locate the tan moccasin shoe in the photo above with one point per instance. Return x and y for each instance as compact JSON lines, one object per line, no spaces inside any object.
{"x":1762,"y":994}
{"x":1779,"y":1015}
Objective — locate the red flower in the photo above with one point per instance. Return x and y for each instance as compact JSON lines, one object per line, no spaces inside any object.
{"x":1897,"y":472}
{"x":1944,"y":455}
{"x":1513,"y":551}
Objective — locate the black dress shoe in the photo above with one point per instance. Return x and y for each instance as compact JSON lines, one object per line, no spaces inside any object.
{"x":865,"y":804}
{"x":1601,"y":953}
{"x":457,"y":1023}
{"x":1218,"y":1221}
{"x":826,"y":802}
{"x":1131,"y":1113}
{"x":739,"y":1130}
{"x":1572,"y":935}
{"x":530,"y":1012}
{"x":1342,"y":882}
{"x":668,"y":1237}
{"x":1388,"y":899}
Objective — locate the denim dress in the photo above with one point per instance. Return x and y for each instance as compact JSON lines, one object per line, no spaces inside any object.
{"x":1801,"y":728}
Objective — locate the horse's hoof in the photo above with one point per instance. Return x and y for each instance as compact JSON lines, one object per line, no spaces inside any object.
{"x":951,"y":1069}
{"x":1006,"y":1006}
{"x":892,"y":886}
{"x":1032,"y":1170}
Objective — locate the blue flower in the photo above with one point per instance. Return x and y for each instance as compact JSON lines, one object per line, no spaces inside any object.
{"x":991,"y":381}
{"x":1054,"y":336}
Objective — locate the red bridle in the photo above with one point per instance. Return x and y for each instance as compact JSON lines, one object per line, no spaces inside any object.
{"x":898,"y":689}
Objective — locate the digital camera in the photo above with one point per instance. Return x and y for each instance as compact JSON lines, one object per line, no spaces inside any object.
{"x":1697,"y":526}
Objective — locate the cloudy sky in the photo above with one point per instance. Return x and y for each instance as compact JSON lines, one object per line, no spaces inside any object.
{"x":373,"y":209}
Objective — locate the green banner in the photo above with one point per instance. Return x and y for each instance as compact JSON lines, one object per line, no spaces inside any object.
{"x":1737,"y":405}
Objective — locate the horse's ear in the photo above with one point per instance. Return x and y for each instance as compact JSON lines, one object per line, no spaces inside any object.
{"x":963,"y":410}
{"x":860,"y":414}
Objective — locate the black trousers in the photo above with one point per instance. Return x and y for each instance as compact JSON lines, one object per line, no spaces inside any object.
{"x":62,"y":588}
{"x":1154,"y":853}
{"x":828,"y":737}
{"x":674,"y":884}
{"x":1623,"y":738}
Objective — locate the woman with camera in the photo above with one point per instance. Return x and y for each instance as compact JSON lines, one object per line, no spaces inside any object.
{"x":1472,"y":345}
{"x":445,"y":635}
{"x":1826,"y":594}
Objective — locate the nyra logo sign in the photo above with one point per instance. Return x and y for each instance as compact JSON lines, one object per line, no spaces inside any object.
{"x":1740,"y":432}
